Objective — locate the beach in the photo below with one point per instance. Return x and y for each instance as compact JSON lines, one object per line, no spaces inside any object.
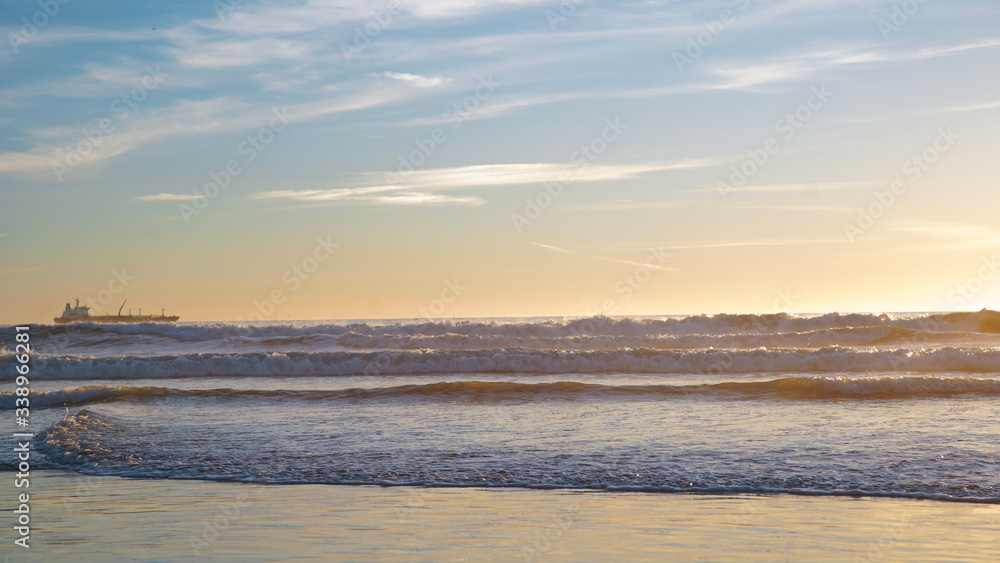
{"x":113,"y":519}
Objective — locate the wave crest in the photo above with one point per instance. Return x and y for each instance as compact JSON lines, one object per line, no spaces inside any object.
{"x":779,"y":329}
{"x":791,"y":388}
{"x":520,"y":360}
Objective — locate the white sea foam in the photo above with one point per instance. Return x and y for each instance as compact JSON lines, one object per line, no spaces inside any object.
{"x":594,"y":333}
{"x":791,"y":388}
{"x":521,"y":360}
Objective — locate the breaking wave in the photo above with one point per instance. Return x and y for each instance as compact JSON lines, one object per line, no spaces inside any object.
{"x":791,"y":388}
{"x":90,"y":443}
{"x":520,"y":360}
{"x":702,"y":331}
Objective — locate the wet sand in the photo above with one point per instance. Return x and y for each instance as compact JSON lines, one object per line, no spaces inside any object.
{"x":79,"y":518}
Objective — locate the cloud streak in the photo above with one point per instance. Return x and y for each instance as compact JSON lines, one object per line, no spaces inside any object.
{"x":650,"y":265}
{"x":417,"y":187}
{"x":166,"y":197}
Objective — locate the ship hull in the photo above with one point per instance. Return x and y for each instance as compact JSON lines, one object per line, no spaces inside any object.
{"x":117,"y":319}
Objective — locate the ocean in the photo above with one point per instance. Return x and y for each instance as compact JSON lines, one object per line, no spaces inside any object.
{"x":901,"y":406}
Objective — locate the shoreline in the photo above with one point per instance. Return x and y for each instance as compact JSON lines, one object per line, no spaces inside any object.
{"x":77,"y":516}
{"x":610,"y":489}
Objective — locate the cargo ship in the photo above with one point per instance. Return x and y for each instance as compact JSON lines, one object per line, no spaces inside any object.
{"x":81,"y":314}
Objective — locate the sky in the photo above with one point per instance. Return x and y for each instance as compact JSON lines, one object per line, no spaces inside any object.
{"x":276,"y":160}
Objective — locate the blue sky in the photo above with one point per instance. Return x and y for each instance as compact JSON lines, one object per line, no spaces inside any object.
{"x":545,"y":154}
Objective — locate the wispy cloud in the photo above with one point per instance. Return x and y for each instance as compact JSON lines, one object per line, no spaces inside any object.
{"x":416,"y":80}
{"x":916,"y":236}
{"x":929,"y":236}
{"x":76,"y":34}
{"x":415,"y":187}
{"x":375,"y":195}
{"x":973,"y":107}
{"x":195,"y":51}
{"x":505,"y":105}
{"x":166,"y":197}
{"x":798,"y":208}
{"x":962,"y":108}
{"x":417,"y":198}
{"x":649,"y":265}
{"x":187,"y":118}
{"x":945,"y":230}
{"x":753,"y":75}
{"x":803,"y":188}
{"x":510,"y":174}
{"x":750,"y":243}
{"x":623,"y":205}
{"x":183,"y":118}
{"x":500,"y":107}
{"x":312,"y":15}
